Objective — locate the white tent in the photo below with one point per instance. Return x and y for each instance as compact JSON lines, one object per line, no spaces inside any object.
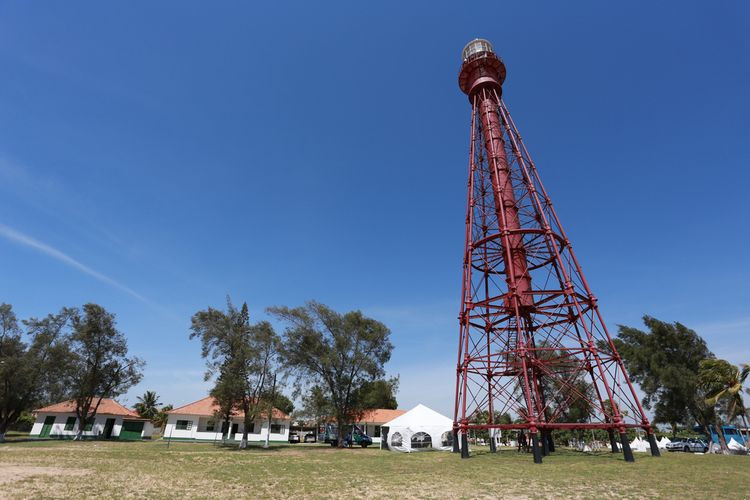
{"x":640,"y":445}
{"x":735,"y":445}
{"x":420,"y":429}
{"x":663,"y":442}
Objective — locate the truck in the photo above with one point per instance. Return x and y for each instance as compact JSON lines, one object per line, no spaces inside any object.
{"x":329,"y":434}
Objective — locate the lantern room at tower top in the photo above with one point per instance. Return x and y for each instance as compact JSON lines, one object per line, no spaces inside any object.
{"x":481,"y":68}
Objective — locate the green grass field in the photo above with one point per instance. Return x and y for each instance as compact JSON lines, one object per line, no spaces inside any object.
{"x":150,"y":469}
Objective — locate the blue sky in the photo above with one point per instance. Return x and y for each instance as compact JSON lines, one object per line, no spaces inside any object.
{"x":155,"y":158}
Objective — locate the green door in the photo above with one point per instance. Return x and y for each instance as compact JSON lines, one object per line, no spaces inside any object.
{"x":131,"y":430}
{"x":47,"y":427}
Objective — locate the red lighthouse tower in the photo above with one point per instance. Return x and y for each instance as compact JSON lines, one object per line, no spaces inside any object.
{"x":532,"y":342}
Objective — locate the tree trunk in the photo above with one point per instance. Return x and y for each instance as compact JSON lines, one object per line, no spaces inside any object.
{"x":745,"y":435}
{"x":227,"y":424}
{"x":245,"y":426}
{"x":707,"y":432}
{"x":270,"y":412}
{"x":3,"y":429}
{"x":340,"y":432}
{"x":722,"y":439}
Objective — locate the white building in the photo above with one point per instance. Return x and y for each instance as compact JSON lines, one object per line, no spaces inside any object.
{"x":197,"y":422}
{"x":112,"y":421}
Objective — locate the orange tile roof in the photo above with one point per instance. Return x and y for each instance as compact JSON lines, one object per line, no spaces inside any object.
{"x":106,"y":407}
{"x":380,"y":416}
{"x":208,"y":407}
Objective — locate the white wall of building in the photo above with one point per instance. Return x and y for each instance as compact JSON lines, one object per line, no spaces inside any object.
{"x":199,"y":429}
{"x":58,"y":428}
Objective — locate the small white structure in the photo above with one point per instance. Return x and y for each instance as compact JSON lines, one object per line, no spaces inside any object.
{"x":735,"y":446}
{"x":640,"y":445}
{"x":197,"y":422}
{"x":663,"y":442}
{"x":419,"y":429}
{"x":112,"y":421}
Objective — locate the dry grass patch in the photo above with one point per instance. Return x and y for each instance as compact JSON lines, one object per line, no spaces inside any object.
{"x":150,"y":469}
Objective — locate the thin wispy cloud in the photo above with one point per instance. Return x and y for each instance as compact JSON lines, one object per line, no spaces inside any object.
{"x":25,"y":240}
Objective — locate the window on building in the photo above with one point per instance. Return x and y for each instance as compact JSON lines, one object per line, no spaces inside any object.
{"x":421,"y":440}
{"x":396,"y":439}
{"x":210,"y":426}
{"x":251,"y":429}
{"x":277,"y":428}
{"x":376,"y":431}
{"x":70,"y":423}
{"x":89,"y":424}
{"x":447,"y":438}
{"x":184,"y":425}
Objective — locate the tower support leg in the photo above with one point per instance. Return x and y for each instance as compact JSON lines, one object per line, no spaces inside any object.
{"x":536,"y":449}
{"x":464,"y":445}
{"x":613,"y":441}
{"x":456,"y":448}
{"x":626,"y":448}
{"x":654,"y":447}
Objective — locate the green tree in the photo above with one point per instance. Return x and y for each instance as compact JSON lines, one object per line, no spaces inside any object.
{"x":100,"y":367}
{"x":148,"y":405}
{"x":32,"y":363}
{"x":241,"y":356}
{"x":724,"y":382}
{"x":377,"y":394}
{"x":339,"y":352}
{"x":280,"y":402}
{"x":664,"y":361}
{"x":316,"y":406}
{"x":160,"y":420}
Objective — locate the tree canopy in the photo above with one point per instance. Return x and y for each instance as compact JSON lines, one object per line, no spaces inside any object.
{"x":240,"y":357}
{"x":664,"y":361}
{"x":99,"y":363}
{"x":148,"y":405}
{"x":338,"y":352}
{"x":74,"y":354}
{"x":34,"y":363}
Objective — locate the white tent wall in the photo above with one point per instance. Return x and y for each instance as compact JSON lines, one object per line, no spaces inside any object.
{"x":420,"y":429}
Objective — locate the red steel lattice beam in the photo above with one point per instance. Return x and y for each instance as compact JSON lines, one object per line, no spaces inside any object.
{"x":532,"y":340}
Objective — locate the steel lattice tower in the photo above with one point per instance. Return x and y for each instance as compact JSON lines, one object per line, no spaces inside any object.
{"x":532,"y":341}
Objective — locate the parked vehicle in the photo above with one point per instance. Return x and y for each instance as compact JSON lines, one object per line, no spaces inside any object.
{"x":688,"y":445}
{"x":310,"y":437}
{"x":330,"y":435}
{"x":294,"y":437}
{"x":357,"y":437}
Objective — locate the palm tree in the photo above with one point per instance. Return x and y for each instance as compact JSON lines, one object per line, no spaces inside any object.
{"x":724,"y":382}
{"x":732,"y":384}
{"x":148,"y":405}
{"x":160,"y":419}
